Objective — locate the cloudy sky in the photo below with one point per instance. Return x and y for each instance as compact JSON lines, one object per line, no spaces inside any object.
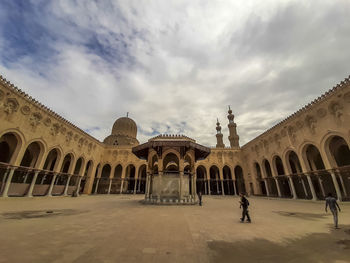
{"x":175,"y":65}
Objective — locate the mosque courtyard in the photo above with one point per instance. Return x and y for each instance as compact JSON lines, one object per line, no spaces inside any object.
{"x":114,"y":228}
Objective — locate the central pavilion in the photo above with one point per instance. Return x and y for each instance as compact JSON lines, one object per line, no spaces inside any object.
{"x":171,"y":168}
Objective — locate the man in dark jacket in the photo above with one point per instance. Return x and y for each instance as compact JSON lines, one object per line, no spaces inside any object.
{"x":244,"y":205}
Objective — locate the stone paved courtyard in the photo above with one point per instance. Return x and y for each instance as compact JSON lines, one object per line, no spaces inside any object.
{"x":120,"y":229}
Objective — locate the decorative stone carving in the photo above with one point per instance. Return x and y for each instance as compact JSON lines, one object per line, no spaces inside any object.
{"x":266,"y":146}
{"x":47,"y":122}
{"x":69,"y":136}
{"x":284,"y":132}
{"x":80,"y":142}
{"x":346,"y":97}
{"x":2,"y":95}
{"x":76,"y":137}
{"x":54,"y":129}
{"x":311,"y":123}
{"x":321,"y":112}
{"x":299,"y":124}
{"x":220,"y":157}
{"x":63,"y":130}
{"x":25,"y":110}
{"x":336,"y":109}
{"x":35,"y":119}
{"x":277,"y":139}
{"x":291,"y":134}
{"x":90,"y":148}
{"x":11,"y":106}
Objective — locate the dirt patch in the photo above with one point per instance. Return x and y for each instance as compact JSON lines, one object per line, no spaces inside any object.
{"x":41,"y":213}
{"x":305,"y":216}
{"x":314,"y":248}
{"x":344,"y":243}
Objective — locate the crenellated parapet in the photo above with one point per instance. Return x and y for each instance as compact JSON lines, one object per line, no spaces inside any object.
{"x":18,"y":109}
{"x":330,"y":112}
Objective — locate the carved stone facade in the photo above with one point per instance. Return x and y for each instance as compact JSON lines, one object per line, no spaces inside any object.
{"x":304,"y":156}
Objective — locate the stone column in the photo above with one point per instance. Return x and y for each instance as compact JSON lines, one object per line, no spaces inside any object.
{"x":194,"y":186}
{"x":32,"y":184}
{"x":336,"y":185}
{"x":136,"y":179}
{"x":110,"y":186}
{"x":147,"y":186}
{"x":222,"y":187}
{"x":180,"y":185}
{"x":205,"y":187}
{"x":321,"y":185}
{"x":267,"y":187}
{"x":292,"y":187}
{"x":278,"y":187}
{"x":67,"y":185}
{"x":78,"y":186}
{"x":328,"y":164}
{"x":304,"y":187}
{"x":121,"y":186}
{"x":234,"y":187}
{"x":96,"y":186}
{"x":49,"y":193}
{"x":313,"y":192}
{"x":341,"y":182}
{"x":8,"y":181}
{"x":209,"y":188}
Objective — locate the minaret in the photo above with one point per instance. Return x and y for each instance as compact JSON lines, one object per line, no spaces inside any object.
{"x":232,"y":126}
{"x":220,"y":142}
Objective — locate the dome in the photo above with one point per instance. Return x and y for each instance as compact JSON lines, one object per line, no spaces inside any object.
{"x":125,"y":126}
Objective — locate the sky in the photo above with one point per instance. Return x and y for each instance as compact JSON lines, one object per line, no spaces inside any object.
{"x":175,"y":65}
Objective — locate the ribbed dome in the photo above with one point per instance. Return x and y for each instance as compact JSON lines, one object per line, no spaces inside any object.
{"x":125,"y":126}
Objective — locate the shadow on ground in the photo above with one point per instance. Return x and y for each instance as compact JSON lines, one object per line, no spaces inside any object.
{"x":325,"y":247}
{"x":40,"y":213}
{"x":305,"y":216}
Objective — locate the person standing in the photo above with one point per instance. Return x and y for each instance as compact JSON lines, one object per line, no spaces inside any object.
{"x":333,"y":206}
{"x":244,"y":203}
{"x":200,"y":198}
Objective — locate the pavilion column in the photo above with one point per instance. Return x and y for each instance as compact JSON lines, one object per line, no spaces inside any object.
{"x":136,"y":178}
{"x":96,"y":186}
{"x":278,"y":187}
{"x":67,"y":185}
{"x":194,"y":193}
{"x":180,"y":185}
{"x":147,"y":186}
{"x":267,"y":187}
{"x":109,"y":186}
{"x":32,"y":184}
{"x":49,"y":193}
{"x":10,"y":172}
{"x":291,"y":185}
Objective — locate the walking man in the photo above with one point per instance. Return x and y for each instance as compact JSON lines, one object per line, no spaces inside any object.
{"x":200,"y":198}
{"x":333,"y":206}
{"x":244,"y":203}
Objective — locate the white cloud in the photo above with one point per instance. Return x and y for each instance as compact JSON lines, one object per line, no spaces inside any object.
{"x":176,"y":65}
